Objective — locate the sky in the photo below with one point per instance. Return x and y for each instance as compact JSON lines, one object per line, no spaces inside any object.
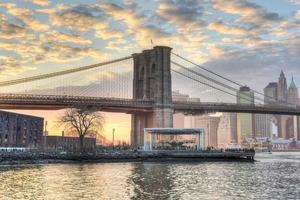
{"x":248,"y":41}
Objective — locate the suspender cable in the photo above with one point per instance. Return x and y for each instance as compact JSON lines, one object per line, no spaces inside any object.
{"x":60,"y":73}
{"x":209,"y":85}
{"x":211,"y":79}
{"x":227,"y":79}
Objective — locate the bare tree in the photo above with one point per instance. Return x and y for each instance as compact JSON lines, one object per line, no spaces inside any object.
{"x":83,"y":121}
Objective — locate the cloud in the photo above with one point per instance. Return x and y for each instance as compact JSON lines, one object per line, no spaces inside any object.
{"x":39,"y":2}
{"x":248,"y":41}
{"x":182,"y":13}
{"x":223,"y":28}
{"x":25,"y":49}
{"x":297,"y":15}
{"x":107,"y":33}
{"x":56,"y":36}
{"x":25,"y":16}
{"x":136,"y":24}
{"x":82,"y":17}
{"x":10,"y":31}
{"x":295,"y":1}
{"x":12,"y":66}
{"x":57,"y":52}
{"x":249,"y":12}
{"x":259,"y":65}
{"x":117,"y":44}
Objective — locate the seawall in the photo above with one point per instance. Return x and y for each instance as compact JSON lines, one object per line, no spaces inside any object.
{"x":126,"y":156}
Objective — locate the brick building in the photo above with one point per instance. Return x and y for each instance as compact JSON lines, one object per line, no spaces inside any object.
{"x":70,"y":144}
{"x":18,"y":130}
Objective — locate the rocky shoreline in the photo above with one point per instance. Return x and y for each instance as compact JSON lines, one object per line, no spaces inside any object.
{"x":45,"y":158}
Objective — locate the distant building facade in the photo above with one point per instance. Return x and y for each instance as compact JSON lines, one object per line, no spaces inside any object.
{"x":210,"y":126}
{"x":262,"y":125}
{"x":178,"y":118}
{"x":270,"y":93}
{"x":263,"y":122}
{"x":245,"y":121}
{"x":18,"y":130}
{"x":278,"y":93}
{"x":227,"y":130}
{"x":70,"y":144}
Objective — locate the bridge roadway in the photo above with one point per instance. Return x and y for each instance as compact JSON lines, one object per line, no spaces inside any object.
{"x":56,"y":102}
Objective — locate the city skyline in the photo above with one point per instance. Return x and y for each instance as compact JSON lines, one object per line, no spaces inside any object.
{"x":219,"y":36}
{"x":149,"y":99}
{"x":211,"y":40}
{"x":227,"y":128}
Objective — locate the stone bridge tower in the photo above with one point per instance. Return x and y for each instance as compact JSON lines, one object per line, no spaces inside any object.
{"x":152,"y":81}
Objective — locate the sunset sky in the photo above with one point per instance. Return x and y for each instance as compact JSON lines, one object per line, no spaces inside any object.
{"x":247,"y":41}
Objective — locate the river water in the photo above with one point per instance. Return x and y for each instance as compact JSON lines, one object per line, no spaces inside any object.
{"x":275,"y":176}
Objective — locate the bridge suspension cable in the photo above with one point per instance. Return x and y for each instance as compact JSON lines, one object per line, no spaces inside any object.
{"x":225,"y":78}
{"x":60,"y":73}
{"x":209,"y":85}
{"x":211,"y":79}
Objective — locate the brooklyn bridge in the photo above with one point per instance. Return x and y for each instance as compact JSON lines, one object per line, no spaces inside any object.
{"x":141,"y":85}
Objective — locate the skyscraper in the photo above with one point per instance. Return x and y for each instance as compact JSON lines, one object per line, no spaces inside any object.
{"x":293,"y":99}
{"x":262,"y":125}
{"x":263,"y":122}
{"x":282,"y":91}
{"x":282,"y":96}
{"x":245,"y":121}
{"x":270,"y":93}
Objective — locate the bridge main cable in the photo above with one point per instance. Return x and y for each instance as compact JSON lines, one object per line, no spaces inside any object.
{"x":227,"y":79}
{"x":213,"y":80}
{"x":60,"y":73}
{"x":209,"y":85}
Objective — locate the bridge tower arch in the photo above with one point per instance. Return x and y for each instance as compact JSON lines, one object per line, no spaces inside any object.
{"x":152,"y":81}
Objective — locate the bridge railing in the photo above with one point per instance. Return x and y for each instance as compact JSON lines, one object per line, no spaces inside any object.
{"x":70,"y":99}
{"x":235,"y":106}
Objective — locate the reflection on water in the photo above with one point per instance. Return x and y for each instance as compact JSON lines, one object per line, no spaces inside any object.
{"x":275,"y":176}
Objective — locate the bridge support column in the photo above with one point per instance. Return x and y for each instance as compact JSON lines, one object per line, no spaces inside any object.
{"x":162,"y":118}
{"x":152,"y":81}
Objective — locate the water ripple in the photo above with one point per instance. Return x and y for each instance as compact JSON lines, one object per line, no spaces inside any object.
{"x":275,"y":176}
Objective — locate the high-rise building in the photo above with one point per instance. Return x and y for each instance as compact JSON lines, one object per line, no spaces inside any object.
{"x":245,"y":96}
{"x":227,"y":132}
{"x":245,"y":121}
{"x":293,"y":96}
{"x":282,"y":91}
{"x":282,"y":96}
{"x":263,"y":122}
{"x":262,"y":125}
{"x":270,"y":93}
{"x":270,"y":98}
{"x":292,"y":122}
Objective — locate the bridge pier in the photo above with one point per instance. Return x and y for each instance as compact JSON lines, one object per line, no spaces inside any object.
{"x":152,"y":81}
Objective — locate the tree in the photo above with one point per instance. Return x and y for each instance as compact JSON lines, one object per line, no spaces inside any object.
{"x":83,"y":121}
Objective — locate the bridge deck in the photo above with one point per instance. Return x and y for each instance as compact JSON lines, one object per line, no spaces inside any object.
{"x":53,"y":102}
{"x":202,"y":107}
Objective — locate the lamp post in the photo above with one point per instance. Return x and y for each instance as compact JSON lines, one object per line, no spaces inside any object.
{"x":113,"y":138}
{"x":45,"y":135}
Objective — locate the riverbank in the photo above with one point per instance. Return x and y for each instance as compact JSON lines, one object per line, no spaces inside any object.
{"x":162,"y":156}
